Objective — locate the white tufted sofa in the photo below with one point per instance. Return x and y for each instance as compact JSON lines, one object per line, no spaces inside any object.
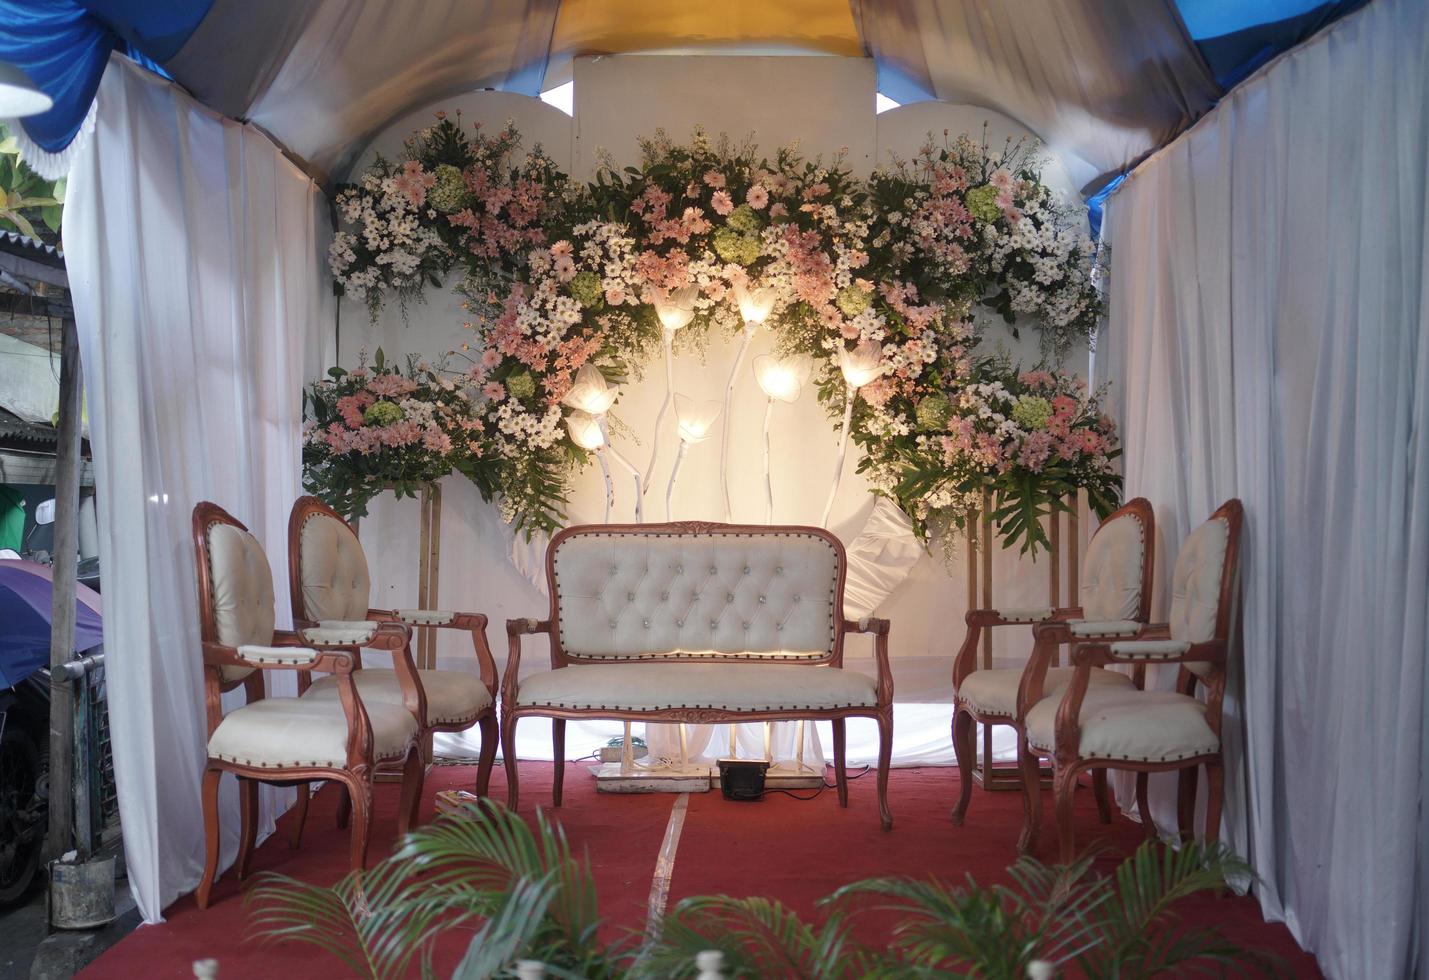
{"x":1091,"y":727}
{"x":1115,"y":601}
{"x":701,"y":623}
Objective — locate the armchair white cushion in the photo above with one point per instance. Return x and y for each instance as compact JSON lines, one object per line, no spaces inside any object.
{"x":1112,"y":627}
{"x":291,"y":732}
{"x":1025,"y":615}
{"x":1129,"y":726}
{"x":1196,"y":586}
{"x":1131,"y":650}
{"x":723,"y":686}
{"x":277,"y":655}
{"x":1111,"y":570}
{"x":994,"y":692}
{"x":424,"y":617}
{"x":242,"y":588}
{"x":453,"y":696}
{"x":336,"y":582}
{"x":333,"y":632}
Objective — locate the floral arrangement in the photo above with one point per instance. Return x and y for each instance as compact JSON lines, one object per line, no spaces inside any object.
{"x":1028,"y":439}
{"x":881,"y":273}
{"x":378,"y":427}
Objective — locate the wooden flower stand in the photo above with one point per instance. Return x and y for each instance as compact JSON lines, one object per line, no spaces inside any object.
{"x":988,"y":774}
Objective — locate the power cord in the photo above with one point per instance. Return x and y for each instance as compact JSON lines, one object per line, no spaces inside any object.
{"x":820,"y":791}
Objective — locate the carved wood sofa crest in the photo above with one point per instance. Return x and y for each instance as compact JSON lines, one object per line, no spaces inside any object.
{"x":697,"y":622}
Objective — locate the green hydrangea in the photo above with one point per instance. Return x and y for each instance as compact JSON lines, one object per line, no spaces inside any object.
{"x":852,"y":300}
{"x":1032,"y":412}
{"x":521,"y":386}
{"x":383,"y":413}
{"x":449,"y":194}
{"x":586,"y":288}
{"x":934,"y":412}
{"x":743,"y":219}
{"x":982,"y":203}
{"x":731,"y":246}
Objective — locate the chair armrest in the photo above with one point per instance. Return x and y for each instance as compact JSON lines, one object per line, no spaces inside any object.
{"x":1147,"y":651}
{"x":880,"y":629}
{"x":515,"y":629}
{"x":339,"y":660}
{"x":965,"y":662}
{"x":1111,"y":627}
{"x":1128,"y":651}
{"x":474,"y":623}
{"x":339,"y":632}
{"x":424,"y":617}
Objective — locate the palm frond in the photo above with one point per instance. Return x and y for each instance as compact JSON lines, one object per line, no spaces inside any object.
{"x":759,"y":937}
{"x":510,"y":932}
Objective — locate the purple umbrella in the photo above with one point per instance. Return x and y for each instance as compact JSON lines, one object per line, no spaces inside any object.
{"x":25,"y":596}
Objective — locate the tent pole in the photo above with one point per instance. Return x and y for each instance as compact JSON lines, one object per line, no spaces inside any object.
{"x":66,"y":551}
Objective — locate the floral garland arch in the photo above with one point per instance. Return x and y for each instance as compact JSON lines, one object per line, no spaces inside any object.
{"x":869,"y":280}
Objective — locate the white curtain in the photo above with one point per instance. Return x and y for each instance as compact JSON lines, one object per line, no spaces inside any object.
{"x":194,"y":258}
{"x":1269,"y":339}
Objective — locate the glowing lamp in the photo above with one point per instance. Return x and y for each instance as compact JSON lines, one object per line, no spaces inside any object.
{"x":695,"y":418}
{"x":782,"y":379}
{"x":755,"y":305}
{"x":677,"y":308}
{"x":590,"y":393}
{"x":862,"y":364}
{"x":585,"y":430}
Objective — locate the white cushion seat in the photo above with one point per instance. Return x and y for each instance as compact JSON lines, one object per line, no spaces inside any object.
{"x":453,"y":696}
{"x":994,"y":691}
{"x":291,"y":732}
{"x":1130,"y":726}
{"x":631,"y":686}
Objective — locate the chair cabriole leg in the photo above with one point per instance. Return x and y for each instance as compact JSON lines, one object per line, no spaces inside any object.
{"x":359,"y":791}
{"x":300,"y":815}
{"x":508,"y":760}
{"x":840,"y":760}
{"x":1029,"y":766}
{"x":248,"y":824}
{"x":963,"y":738}
{"x":558,"y":744}
{"x":211,"y":777}
{"x":1143,"y":805}
{"x":487,"y":757}
{"x":885,"y":759}
{"x":1102,"y":794}
{"x":1186,"y":802}
{"x":413,"y":776}
{"x":1064,"y":788}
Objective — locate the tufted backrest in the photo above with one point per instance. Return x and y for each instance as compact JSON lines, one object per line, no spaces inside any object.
{"x":696,"y":591}
{"x":332,"y":570}
{"x":1196,"y":585}
{"x":1112,"y":570}
{"x":240,"y":591}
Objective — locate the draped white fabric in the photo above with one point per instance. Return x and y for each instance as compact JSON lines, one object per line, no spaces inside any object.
{"x":1269,"y":339}
{"x":194,"y":261}
{"x":1103,"y":82}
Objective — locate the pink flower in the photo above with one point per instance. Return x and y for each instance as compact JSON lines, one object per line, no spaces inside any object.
{"x":352,"y":406}
{"x":494,"y":390}
{"x":757,"y":197}
{"x":778,"y":210}
{"x":561,"y":247}
{"x":614,"y":296}
{"x":714,"y":178}
{"x":436,"y":440}
{"x":413,"y":182}
{"x":1001,"y":179}
{"x":1038,"y":379}
{"x":564,"y":268}
{"x":391,"y":386}
{"x":722,"y":202}
{"x":490,"y":357}
{"x":1064,"y":406}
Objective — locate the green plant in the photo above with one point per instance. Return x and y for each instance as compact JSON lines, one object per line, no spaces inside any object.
{"x":25,"y":196}
{"x":522,"y":893}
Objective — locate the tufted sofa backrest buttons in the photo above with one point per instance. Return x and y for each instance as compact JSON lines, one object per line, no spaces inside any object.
{"x":336,"y":582}
{"x":631,"y":595}
{"x":242,"y":591}
{"x":1196,"y":585}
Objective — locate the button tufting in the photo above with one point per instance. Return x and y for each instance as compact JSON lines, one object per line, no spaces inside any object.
{"x":664,"y":596}
{"x":729,"y":597}
{"x":612,"y":624}
{"x":679,"y":569}
{"x":796,"y":598}
{"x":779,"y":570}
{"x":645,"y":623}
{"x":714,"y":624}
{"x":630,"y":597}
{"x":746,"y":569}
{"x":746,"y":626}
{"x":763,"y":600}
{"x":779,"y":628}
{"x":713,"y":570}
{"x":680,"y":623}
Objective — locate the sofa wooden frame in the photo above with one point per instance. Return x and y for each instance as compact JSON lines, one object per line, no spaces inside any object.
{"x":356,"y":775}
{"x":1049,"y":635}
{"x":881,"y":712}
{"x":474,"y":623}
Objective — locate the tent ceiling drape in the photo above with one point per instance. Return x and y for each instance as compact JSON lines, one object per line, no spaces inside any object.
{"x":1104,"y":82}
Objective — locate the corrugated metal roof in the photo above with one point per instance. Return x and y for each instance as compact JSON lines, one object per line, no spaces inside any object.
{"x":32,"y":244}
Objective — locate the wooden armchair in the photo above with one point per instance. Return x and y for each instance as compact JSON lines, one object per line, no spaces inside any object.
{"x":1097,"y":728}
{"x":330,"y":587}
{"x":285,"y":741}
{"x":1116,"y":601}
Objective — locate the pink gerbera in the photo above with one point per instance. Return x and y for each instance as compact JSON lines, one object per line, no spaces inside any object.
{"x":494,"y":390}
{"x":757,"y":197}
{"x":722,"y":202}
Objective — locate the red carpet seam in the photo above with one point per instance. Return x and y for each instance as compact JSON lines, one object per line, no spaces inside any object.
{"x":665,"y":865}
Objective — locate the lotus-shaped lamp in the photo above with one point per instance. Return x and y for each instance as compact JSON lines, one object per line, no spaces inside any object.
{"x":677,"y":308}
{"x":695,"y":417}
{"x":755,"y":305}
{"x":585,"y":430}
{"x":590,"y":393}
{"x":862,"y":364}
{"x":782,"y":378}
{"x":19,"y":96}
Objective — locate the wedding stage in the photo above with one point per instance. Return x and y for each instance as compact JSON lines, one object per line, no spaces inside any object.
{"x":980,"y":435}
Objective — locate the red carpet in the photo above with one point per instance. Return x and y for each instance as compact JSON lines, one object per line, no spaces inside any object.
{"x":797,"y":851}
